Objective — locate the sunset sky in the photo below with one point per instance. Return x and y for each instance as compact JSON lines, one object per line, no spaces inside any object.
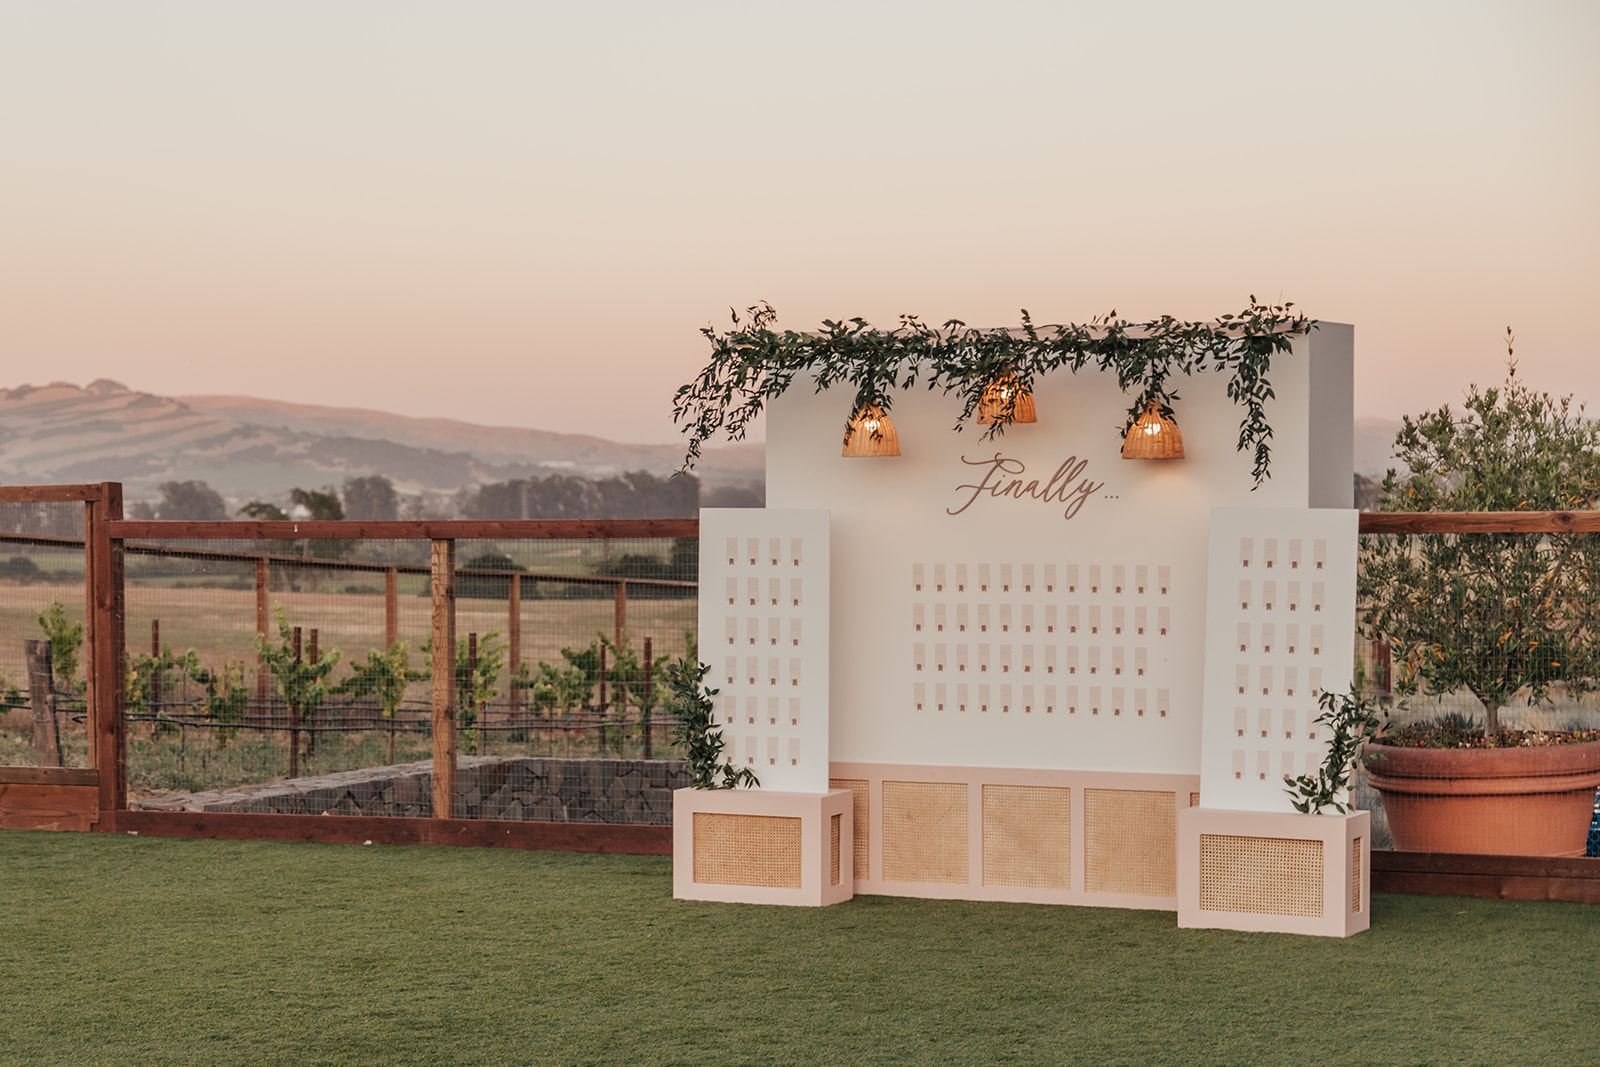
{"x":521,"y":213}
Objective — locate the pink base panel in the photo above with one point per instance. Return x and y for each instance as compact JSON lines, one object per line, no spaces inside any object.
{"x":759,"y":846}
{"x":1274,"y":872}
{"x":1096,"y":839}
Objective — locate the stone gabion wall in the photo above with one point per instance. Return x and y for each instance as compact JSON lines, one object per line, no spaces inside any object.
{"x":635,"y":792}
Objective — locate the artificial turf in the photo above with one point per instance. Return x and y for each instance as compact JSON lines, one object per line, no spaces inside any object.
{"x":140,"y":950}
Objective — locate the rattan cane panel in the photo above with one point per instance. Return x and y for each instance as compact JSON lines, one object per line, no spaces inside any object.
{"x":860,"y":815}
{"x":925,"y":832}
{"x":1261,"y":875}
{"x":1194,"y":800}
{"x":1027,"y":836}
{"x":760,"y":850}
{"x":834,"y":830}
{"x":1355,"y":875}
{"x":1130,"y":842}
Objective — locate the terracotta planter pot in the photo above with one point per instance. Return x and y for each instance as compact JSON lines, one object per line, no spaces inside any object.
{"x":1501,"y":801}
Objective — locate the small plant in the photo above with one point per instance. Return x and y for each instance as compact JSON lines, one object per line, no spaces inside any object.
{"x":476,"y":685}
{"x":66,"y":638}
{"x":383,"y":676}
{"x":689,"y":700}
{"x":1351,"y":720}
{"x":302,"y":684}
{"x":143,"y":680}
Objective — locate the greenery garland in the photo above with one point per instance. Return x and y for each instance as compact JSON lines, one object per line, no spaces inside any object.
{"x":753,"y":362}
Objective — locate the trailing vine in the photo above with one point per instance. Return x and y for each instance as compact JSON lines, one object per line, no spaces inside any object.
{"x":689,"y":700}
{"x":753,"y":362}
{"x":1351,"y":720}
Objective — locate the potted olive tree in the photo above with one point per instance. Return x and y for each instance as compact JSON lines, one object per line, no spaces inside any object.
{"x":1503,"y":616}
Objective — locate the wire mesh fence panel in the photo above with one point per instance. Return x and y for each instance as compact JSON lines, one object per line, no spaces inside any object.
{"x":564,"y":642}
{"x":1483,"y":652}
{"x":253,"y":662}
{"x":43,"y":710}
{"x":242,"y":656}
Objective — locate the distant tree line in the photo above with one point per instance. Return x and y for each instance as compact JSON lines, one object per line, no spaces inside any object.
{"x":633,"y":495}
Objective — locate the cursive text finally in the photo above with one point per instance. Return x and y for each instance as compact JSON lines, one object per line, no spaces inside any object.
{"x":1002,"y":477}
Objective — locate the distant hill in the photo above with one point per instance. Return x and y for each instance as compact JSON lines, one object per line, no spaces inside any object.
{"x":248,"y":448}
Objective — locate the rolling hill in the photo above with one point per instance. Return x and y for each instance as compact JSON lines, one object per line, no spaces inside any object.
{"x":247,"y":448}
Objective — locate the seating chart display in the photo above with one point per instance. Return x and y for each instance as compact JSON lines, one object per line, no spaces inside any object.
{"x":764,"y":631}
{"x":1278,"y":633}
{"x":1048,"y":639}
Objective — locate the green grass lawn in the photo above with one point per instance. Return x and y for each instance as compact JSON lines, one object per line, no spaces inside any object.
{"x":138,"y":950}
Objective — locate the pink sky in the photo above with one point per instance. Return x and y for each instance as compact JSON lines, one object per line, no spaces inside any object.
{"x":521,"y":213}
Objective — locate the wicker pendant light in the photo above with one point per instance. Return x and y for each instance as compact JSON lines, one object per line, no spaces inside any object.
{"x":871,"y":434}
{"x":1003,"y":391}
{"x":1153,"y":436}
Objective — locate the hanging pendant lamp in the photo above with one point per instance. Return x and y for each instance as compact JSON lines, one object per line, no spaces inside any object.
{"x":1153,"y":436}
{"x":871,"y":434}
{"x":1005,"y":392}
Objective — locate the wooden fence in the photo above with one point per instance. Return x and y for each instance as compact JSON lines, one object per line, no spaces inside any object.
{"x":96,"y":798}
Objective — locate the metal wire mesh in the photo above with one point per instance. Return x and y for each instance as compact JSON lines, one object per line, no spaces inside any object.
{"x":1463,"y":635}
{"x":42,"y":595}
{"x":251,"y":662}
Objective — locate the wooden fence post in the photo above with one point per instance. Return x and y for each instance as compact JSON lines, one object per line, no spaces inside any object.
{"x":41,"y":694}
{"x":644,"y":702}
{"x":107,"y":637}
{"x":391,"y":607}
{"x":622,"y":609}
{"x":155,"y":676}
{"x":443,"y":595}
{"x":263,"y":574}
{"x":514,"y":639}
{"x":294,"y":719}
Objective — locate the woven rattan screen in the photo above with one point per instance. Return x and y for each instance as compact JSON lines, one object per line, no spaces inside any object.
{"x":925,"y":832}
{"x":860,"y":817}
{"x":834,"y":830}
{"x":1027,"y":836}
{"x":1130,"y":839}
{"x":1261,"y":875}
{"x":1355,"y":875}
{"x":762,"y":850}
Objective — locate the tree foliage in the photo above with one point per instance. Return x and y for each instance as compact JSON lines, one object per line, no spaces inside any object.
{"x":1500,"y":615}
{"x":631,"y":495}
{"x":194,"y":501}
{"x":753,"y":362}
{"x":371,"y":498}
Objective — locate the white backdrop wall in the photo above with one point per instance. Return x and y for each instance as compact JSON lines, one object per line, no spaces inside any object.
{"x":1063,"y":593}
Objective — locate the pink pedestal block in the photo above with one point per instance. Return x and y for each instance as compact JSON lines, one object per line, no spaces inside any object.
{"x":758,"y":846}
{"x":1274,"y":872}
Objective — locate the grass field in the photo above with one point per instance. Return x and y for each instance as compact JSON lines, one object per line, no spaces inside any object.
{"x":118,"y":949}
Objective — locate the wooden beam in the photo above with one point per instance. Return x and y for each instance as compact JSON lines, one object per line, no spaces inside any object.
{"x":430,"y":529}
{"x":49,"y":776}
{"x":620,"y":611}
{"x":106,"y":640}
{"x":443,"y":593}
{"x":1414,"y":522}
{"x":513,"y":639}
{"x":54,"y":494}
{"x":41,"y":696}
{"x":360,"y":829}
{"x":1489,"y":877}
{"x":48,"y":807}
{"x":391,"y":607}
